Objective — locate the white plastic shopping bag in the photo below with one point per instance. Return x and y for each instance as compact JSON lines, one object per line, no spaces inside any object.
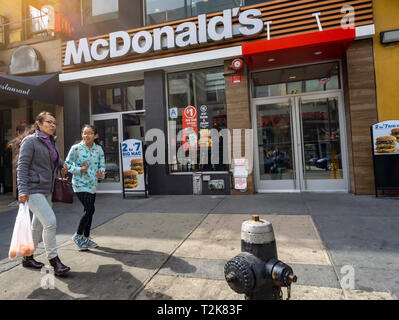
{"x":22,"y":241}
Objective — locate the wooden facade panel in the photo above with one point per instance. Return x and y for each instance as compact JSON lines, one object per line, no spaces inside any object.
{"x":363,"y":83}
{"x":289,"y":17}
{"x":362,"y":109}
{"x":239,"y":117}
{"x":363,"y":96}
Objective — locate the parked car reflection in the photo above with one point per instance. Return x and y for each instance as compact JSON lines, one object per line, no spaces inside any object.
{"x":324,"y":163}
{"x":112,"y":171}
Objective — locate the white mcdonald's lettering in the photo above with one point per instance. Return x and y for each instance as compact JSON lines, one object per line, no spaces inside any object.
{"x":120,"y":43}
{"x":219,"y":28}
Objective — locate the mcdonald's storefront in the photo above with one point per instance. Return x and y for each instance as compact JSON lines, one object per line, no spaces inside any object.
{"x":292,"y":82}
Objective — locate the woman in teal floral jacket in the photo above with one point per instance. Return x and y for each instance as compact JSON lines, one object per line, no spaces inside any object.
{"x":86,"y":162}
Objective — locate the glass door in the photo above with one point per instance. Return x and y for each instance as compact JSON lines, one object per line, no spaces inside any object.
{"x":300,"y":143}
{"x":322,"y":143}
{"x":112,"y":130}
{"x":275,"y":163}
{"x":108,"y":132}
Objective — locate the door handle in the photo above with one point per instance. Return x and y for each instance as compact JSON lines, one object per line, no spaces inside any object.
{"x":292,"y":137}
{"x":302,"y":142}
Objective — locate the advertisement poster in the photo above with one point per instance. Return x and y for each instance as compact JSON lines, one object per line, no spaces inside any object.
{"x":190,"y":128}
{"x":133,"y":165}
{"x":386,"y":137}
{"x":204,"y":127}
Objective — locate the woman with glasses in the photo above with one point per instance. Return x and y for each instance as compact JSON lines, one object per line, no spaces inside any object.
{"x":37,"y":159}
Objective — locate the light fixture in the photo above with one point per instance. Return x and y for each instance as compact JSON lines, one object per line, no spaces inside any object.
{"x":317,"y":53}
{"x":271,"y":60}
{"x":292,"y":77}
{"x":390,"y":36}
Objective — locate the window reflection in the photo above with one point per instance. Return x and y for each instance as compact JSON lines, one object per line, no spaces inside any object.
{"x":274,"y":139}
{"x":288,"y":81}
{"x":118,"y":98}
{"x":108,"y":139}
{"x":160,"y":11}
{"x":100,"y":10}
{"x":321,"y":139}
{"x":205,"y":91}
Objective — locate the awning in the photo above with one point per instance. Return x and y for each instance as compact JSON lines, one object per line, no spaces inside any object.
{"x":298,"y":49}
{"x":45,"y":88}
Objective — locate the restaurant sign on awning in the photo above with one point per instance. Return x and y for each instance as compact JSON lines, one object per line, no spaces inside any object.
{"x":45,"y":88}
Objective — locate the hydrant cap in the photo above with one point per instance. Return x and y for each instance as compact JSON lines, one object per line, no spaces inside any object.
{"x":257,"y":231}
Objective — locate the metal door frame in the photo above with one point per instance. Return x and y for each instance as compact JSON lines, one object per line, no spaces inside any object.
{"x":117,"y":186}
{"x":299,"y":184}
{"x":325,"y":185}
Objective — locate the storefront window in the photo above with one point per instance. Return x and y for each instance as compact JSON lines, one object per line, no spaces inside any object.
{"x":118,"y":98}
{"x":283,"y":82}
{"x":38,"y":21}
{"x":37,"y":16}
{"x":160,"y":11}
{"x":99,"y":10}
{"x":197,"y":104}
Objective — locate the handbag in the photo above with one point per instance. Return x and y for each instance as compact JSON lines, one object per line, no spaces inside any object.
{"x":22,"y":241}
{"x":63,"y":191}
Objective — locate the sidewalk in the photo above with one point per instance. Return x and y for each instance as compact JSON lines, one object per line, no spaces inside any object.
{"x":175,"y":247}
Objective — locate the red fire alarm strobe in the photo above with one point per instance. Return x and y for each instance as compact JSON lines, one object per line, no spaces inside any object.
{"x":237,"y":64}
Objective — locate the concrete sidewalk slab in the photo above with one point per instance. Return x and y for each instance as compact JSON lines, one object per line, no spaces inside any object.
{"x":177,"y":255}
{"x":219,"y":237}
{"x":133,"y":247}
{"x":163,"y":287}
{"x":169,"y":287}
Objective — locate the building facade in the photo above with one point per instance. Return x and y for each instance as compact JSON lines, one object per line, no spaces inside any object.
{"x":31,"y":34}
{"x":386,"y":59}
{"x":297,"y":102}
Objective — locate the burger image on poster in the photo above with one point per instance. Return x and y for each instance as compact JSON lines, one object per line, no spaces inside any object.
{"x":385,"y":144}
{"x":395,"y":133}
{"x":130,"y":179}
{"x":138,"y":165}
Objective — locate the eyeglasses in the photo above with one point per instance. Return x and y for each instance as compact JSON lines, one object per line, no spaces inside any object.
{"x":50,"y":122}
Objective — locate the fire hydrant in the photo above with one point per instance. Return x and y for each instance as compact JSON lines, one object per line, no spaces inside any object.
{"x":256,"y":271}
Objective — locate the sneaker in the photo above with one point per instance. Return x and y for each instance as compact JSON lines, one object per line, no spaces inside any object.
{"x":90,"y":243}
{"x":76,"y":238}
{"x":80,"y":241}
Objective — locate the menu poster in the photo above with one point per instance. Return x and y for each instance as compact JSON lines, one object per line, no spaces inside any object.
{"x":190,"y":128}
{"x":386,"y":138}
{"x":133,"y":165}
{"x":205,"y":122}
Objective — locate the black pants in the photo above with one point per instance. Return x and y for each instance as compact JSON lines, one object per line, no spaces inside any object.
{"x":87,"y":200}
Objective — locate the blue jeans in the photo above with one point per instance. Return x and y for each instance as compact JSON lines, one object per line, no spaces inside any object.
{"x":43,"y":223}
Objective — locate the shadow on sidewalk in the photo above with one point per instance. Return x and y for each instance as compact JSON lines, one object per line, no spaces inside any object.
{"x":145,"y":259}
{"x":110,"y":282}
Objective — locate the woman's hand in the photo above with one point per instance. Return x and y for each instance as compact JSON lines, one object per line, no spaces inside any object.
{"x":65,"y":169}
{"x":22,"y":198}
{"x":100,"y":174}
